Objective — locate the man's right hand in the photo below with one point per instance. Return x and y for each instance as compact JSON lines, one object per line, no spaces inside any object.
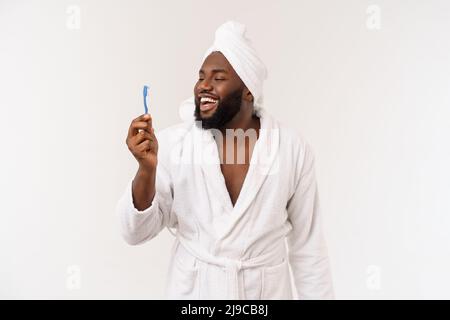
{"x":142,"y":143}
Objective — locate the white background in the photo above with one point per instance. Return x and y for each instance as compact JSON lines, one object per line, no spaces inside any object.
{"x":373,"y":103}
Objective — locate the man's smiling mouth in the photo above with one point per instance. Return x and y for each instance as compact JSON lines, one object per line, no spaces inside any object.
{"x":207,"y":103}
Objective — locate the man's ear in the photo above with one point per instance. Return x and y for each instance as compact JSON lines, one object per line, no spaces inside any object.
{"x":248,"y":95}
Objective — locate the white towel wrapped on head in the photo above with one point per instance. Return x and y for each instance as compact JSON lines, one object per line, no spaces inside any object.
{"x":231,"y":41}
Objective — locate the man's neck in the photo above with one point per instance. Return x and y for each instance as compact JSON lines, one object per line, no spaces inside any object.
{"x":244,"y":119}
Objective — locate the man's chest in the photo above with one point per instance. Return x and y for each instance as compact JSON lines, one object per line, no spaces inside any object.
{"x":234,"y":175}
{"x":235,"y":163}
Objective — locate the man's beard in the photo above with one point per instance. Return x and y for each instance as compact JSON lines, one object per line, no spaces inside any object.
{"x":225,"y":111}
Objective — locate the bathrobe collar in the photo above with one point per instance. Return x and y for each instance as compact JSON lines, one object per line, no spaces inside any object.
{"x":264,"y":162}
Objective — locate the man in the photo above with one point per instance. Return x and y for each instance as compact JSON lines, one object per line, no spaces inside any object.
{"x":234,"y":183}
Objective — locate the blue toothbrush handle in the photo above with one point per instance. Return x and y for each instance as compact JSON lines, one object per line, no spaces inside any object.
{"x":145,"y":94}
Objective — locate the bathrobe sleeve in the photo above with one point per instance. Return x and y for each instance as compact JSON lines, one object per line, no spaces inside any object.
{"x":308,"y":255}
{"x":140,"y":226}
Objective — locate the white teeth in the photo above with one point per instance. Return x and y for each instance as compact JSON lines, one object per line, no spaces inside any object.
{"x":206,"y":99}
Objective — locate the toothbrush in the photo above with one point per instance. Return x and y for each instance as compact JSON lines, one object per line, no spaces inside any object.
{"x":145,"y":93}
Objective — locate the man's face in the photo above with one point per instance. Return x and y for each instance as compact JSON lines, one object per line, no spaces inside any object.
{"x":218,"y":92}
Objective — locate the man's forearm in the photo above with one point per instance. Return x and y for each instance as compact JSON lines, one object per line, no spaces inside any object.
{"x":143,"y":188}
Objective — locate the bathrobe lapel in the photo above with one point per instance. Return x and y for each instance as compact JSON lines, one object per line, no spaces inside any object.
{"x":264,"y":161}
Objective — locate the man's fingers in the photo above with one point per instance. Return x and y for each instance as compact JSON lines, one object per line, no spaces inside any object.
{"x":149,"y":122}
{"x":142,"y":117}
{"x":144,"y":146}
{"x":141,"y":136}
{"x":137,"y":125}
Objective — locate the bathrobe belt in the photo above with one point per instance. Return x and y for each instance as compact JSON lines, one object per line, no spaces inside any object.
{"x":233,"y":266}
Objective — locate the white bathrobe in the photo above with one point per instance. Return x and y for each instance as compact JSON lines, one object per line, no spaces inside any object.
{"x":223,"y":251}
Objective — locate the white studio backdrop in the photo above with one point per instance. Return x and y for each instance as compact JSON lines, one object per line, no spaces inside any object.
{"x":366,"y":82}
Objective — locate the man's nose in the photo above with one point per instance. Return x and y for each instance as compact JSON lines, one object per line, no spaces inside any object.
{"x":205,"y":85}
